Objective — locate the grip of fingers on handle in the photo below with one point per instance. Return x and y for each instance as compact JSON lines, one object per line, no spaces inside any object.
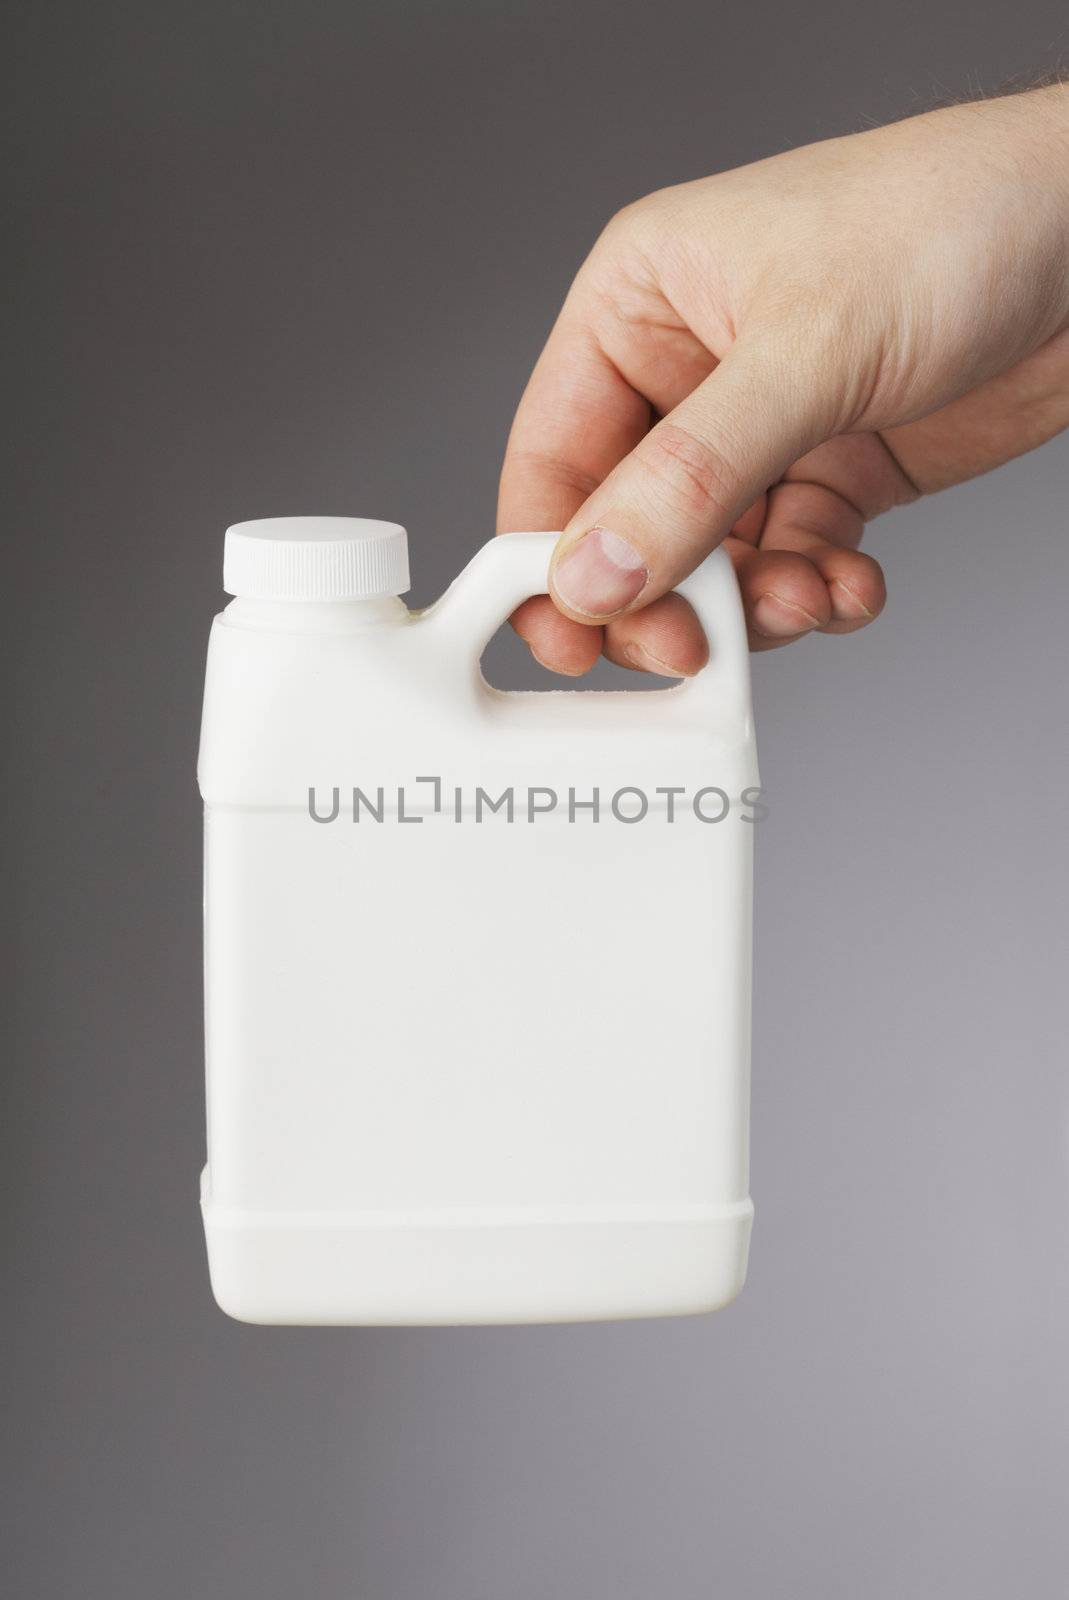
{"x":713,"y":590}
{"x":515,"y":566}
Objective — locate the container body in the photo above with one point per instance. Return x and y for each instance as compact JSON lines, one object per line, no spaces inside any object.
{"x":477,"y":975}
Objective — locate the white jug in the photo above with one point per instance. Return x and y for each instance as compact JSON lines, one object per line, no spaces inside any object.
{"x":477,"y":963}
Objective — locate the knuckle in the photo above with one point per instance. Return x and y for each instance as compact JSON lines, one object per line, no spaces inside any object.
{"x":695,"y":476}
{"x":550,"y":467}
{"x":628,"y":228}
{"x":624,"y":220}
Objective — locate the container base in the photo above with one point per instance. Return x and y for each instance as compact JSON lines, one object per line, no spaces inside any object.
{"x":461,"y":1265}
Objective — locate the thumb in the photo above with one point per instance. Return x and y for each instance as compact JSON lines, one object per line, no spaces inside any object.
{"x":680,"y":491}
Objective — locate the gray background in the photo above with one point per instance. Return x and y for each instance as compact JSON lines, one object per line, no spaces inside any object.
{"x":275,"y":259}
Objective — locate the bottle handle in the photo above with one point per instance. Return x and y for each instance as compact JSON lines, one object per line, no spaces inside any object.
{"x":515,"y":566}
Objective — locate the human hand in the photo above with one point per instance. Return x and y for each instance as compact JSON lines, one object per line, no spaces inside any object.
{"x":772,"y":356}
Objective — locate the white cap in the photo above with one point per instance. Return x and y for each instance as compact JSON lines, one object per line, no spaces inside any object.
{"x":315,"y":558}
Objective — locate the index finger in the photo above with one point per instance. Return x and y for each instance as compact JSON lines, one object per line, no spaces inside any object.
{"x":577,"y":419}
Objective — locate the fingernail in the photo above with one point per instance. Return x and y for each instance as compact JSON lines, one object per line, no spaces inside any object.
{"x":849,"y":606}
{"x":779,"y":619}
{"x":648,"y":662}
{"x":600,"y":574}
{"x":553,"y":666}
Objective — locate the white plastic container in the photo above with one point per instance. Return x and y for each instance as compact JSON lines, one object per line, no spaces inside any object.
{"x":462,"y":1067}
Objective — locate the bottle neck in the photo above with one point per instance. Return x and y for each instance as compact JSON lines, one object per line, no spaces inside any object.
{"x":316,"y":616}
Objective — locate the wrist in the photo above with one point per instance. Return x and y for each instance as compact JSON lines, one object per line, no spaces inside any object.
{"x":1037,"y":142}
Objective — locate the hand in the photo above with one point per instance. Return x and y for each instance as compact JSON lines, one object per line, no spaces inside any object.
{"x":774,"y":355}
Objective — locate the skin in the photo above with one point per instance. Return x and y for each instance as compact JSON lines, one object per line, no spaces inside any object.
{"x":771,"y":357}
